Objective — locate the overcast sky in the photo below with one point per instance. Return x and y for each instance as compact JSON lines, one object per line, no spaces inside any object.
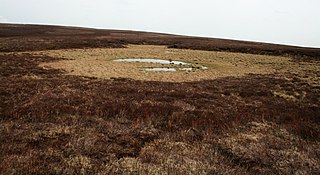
{"x":295,"y":22}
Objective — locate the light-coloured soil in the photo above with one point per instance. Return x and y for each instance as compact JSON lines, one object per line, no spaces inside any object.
{"x":98,"y":63}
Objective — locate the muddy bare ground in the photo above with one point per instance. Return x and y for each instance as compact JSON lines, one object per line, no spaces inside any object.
{"x":57,"y":123}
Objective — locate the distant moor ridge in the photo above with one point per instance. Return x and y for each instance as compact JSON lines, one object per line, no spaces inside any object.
{"x":43,"y":37}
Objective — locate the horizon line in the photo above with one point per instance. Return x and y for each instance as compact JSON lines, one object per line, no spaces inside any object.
{"x":168,"y":33}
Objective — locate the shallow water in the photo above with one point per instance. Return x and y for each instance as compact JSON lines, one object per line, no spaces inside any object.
{"x":174,"y":69}
{"x":159,"y":61}
{"x":166,"y":69}
{"x":187,"y":66}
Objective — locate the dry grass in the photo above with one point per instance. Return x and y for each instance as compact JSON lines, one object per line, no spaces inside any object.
{"x":257,"y":148}
{"x":266,"y":148}
{"x":98,"y":63}
{"x":96,"y":145}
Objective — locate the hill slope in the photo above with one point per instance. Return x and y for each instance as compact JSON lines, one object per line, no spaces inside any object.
{"x":76,"y":111}
{"x":41,"y":37}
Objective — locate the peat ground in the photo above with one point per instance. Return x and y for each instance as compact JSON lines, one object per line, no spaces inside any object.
{"x":54,"y":123}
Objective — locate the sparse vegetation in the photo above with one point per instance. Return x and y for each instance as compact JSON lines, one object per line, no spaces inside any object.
{"x":53,"y":121}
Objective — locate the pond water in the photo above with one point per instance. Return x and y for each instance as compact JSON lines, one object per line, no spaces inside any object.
{"x":172,"y":69}
{"x":166,"y":69}
{"x":187,"y":66}
{"x":159,"y":61}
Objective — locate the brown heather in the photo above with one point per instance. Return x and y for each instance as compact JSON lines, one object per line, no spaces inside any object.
{"x":263,"y":121}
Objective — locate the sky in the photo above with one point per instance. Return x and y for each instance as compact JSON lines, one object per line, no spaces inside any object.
{"x":293,"y":22}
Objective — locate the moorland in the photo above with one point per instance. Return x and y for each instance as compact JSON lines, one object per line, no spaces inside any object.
{"x":67,"y":108}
